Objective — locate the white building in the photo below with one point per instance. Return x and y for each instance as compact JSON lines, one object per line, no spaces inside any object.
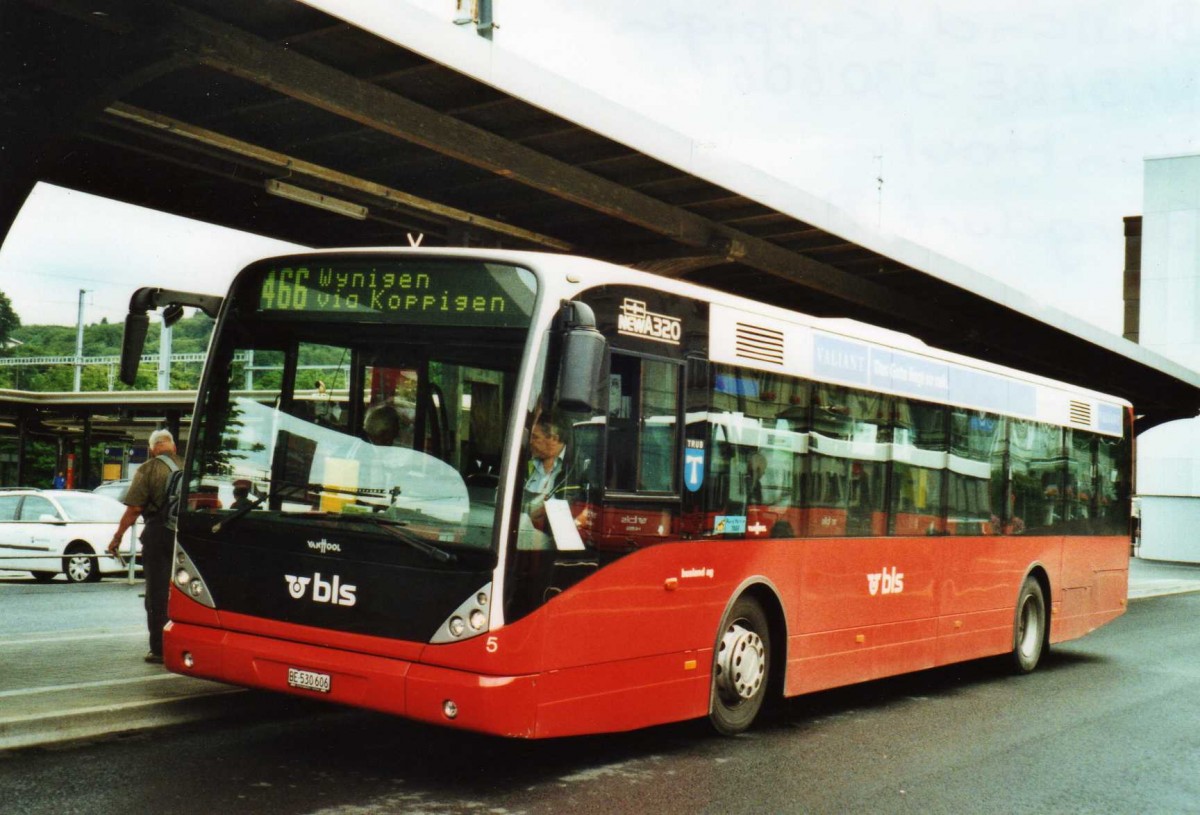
{"x":1168,"y":456}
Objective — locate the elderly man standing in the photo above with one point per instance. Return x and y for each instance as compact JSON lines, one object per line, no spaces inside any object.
{"x":147,"y":496}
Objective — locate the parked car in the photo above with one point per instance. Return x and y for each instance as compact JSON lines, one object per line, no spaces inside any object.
{"x":114,"y":489}
{"x":208,"y":498}
{"x":48,"y":532}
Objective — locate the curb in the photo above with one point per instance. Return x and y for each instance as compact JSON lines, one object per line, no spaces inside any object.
{"x":21,"y":732}
{"x":1170,"y":588}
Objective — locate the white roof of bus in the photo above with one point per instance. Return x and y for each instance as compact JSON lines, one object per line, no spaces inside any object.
{"x":582,"y":267}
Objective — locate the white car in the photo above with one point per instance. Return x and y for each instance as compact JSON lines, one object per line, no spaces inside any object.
{"x":48,"y":532}
{"x":114,"y":489}
{"x":205,"y":499}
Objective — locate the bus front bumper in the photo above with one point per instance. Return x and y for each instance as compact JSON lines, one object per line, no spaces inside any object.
{"x":501,"y":705}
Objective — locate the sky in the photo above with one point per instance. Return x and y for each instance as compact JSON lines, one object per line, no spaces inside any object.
{"x":65,"y":240}
{"x":1009,"y":136}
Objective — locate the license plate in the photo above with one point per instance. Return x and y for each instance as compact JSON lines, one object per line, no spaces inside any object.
{"x":309,"y":680}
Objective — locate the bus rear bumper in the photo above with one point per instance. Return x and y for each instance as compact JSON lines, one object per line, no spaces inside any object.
{"x":501,"y":705}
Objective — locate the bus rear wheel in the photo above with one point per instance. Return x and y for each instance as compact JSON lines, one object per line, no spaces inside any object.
{"x":1029,"y":630}
{"x":741,"y":666}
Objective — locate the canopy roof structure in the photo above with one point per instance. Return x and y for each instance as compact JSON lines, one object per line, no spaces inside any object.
{"x":279,"y":118}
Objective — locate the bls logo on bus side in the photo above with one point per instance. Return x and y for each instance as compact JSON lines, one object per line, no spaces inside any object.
{"x":323,"y":591}
{"x":886,"y":582}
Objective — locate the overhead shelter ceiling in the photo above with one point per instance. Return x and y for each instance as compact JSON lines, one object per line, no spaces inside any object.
{"x":193,"y":106}
{"x":101,"y":416}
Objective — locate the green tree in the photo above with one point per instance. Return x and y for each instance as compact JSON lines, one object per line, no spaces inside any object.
{"x":9,"y":321}
{"x":191,"y":335}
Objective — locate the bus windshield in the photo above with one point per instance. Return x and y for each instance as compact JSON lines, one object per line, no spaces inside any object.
{"x":363,"y":392}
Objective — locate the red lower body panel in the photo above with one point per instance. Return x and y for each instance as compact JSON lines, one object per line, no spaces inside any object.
{"x":501,"y":705}
{"x":632,"y":645}
{"x":598,"y":698}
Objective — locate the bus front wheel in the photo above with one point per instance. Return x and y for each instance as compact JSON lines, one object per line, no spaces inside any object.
{"x":1029,"y":631}
{"x":741,"y":666}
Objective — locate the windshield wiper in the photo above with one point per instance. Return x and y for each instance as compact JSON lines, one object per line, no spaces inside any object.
{"x":255,"y":503}
{"x":238,"y":514}
{"x":396,"y":529}
{"x":399,"y":530}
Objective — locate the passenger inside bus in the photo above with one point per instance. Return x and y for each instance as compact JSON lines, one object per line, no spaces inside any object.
{"x":387,"y":426}
{"x":379,"y":468}
{"x":756,"y":468}
{"x":382,"y":425}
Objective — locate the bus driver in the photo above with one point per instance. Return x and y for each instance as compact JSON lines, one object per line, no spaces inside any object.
{"x":546,"y":466}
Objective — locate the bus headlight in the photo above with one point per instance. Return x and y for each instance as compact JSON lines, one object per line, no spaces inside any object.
{"x":187,"y":579}
{"x":468,"y":620}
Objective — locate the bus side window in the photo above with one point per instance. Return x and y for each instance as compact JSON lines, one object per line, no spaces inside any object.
{"x":850,"y":440}
{"x":1080,"y":482}
{"x":1036,"y":463}
{"x":1111,"y":497}
{"x":758,"y":426}
{"x":919,"y":454}
{"x":976,"y":453}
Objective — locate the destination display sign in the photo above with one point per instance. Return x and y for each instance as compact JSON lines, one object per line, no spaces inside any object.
{"x":424,"y":292}
{"x":870,"y":366}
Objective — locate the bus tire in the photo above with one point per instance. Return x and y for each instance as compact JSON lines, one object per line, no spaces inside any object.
{"x":1029,"y":628}
{"x":741,"y":667}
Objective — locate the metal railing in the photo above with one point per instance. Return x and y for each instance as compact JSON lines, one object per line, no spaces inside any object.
{"x":124,"y":557}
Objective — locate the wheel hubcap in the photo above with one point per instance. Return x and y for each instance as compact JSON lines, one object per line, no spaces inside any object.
{"x":79,"y":568}
{"x":1029,"y":634}
{"x":741,"y":664}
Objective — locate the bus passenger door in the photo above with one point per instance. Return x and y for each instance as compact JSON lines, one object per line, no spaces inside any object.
{"x":641,"y":478}
{"x":628,"y":464}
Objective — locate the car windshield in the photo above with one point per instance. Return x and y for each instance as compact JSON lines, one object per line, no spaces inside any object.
{"x":89,"y":507}
{"x":322,"y":416}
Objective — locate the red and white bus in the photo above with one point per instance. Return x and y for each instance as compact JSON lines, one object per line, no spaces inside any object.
{"x":750,"y":503}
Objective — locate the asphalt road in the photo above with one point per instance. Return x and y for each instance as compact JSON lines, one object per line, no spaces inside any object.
{"x":1108,"y":724}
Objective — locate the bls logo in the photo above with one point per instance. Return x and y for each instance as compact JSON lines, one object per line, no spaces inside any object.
{"x":324,"y":591}
{"x":886,"y":582}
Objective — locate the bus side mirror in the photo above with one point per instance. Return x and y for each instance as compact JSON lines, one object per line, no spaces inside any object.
{"x":137,"y":321}
{"x":582,"y":361}
{"x":132,"y":343}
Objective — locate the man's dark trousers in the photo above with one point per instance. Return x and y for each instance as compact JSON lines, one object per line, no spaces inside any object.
{"x":157,"y":545}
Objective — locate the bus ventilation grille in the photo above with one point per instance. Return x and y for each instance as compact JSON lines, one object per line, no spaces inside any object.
{"x":1081,"y":413}
{"x":758,"y":343}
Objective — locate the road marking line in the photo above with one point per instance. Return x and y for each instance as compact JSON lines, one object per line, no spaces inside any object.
{"x":99,"y":683}
{"x":76,"y":638}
